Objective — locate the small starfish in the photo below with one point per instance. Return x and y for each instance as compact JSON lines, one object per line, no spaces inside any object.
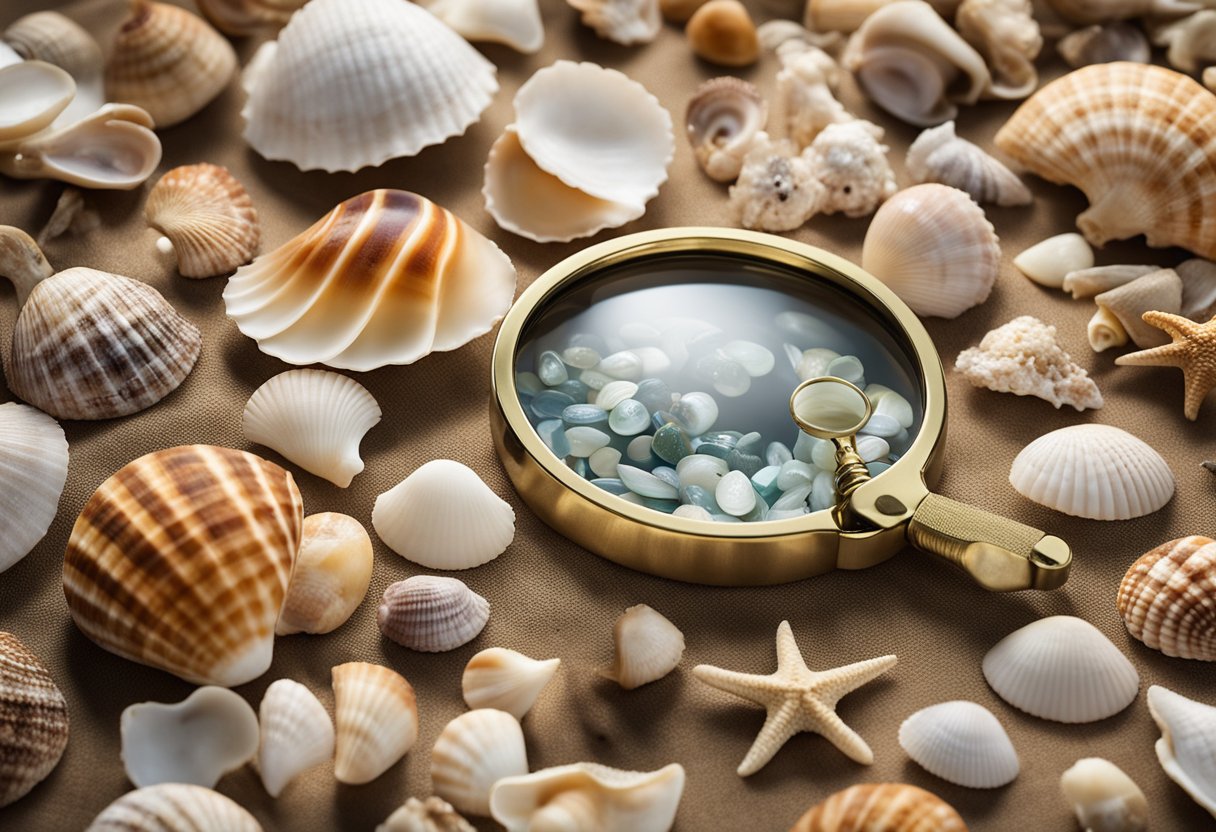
{"x":1193,"y":351}
{"x":797,"y":699}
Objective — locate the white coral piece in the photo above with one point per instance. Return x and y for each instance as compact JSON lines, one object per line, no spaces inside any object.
{"x":806,"y":88}
{"x":777,"y":190}
{"x":851,"y":164}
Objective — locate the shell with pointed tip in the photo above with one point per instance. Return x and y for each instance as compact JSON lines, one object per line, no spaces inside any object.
{"x":935,"y":248}
{"x":960,"y":742}
{"x":32,"y":95}
{"x":589,"y":796}
{"x":723,"y":117}
{"x":1128,"y":135}
{"x":245,"y":17}
{"x":395,"y":79}
{"x":296,"y":734}
{"x":181,"y":561}
{"x":648,"y":647}
{"x":506,"y":680}
{"x":33,"y":720}
{"x":1085,"y":283}
{"x":415,"y":279}
{"x":939,"y":155}
{"x":33,"y":468}
{"x":1119,"y":310}
{"x":516,"y":23}
{"x":1103,"y":44}
{"x":432,"y":614}
{"x":207,"y":216}
{"x":174,"y":807}
{"x":333,"y":570}
{"x":625,"y":21}
{"x":1187,"y":748}
{"x":1103,"y":798}
{"x":58,"y":40}
{"x":1006,"y":33}
{"x":1165,"y":598}
{"x":1049,"y":261}
{"x":1061,"y":668}
{"x":430,"y":815}
{"x":442,"y":516}
{"x":472,"y":753}
{"x":723,"y":32}
{"x":889,"y":807}
{"x":376,"y":715}
{"x":1094,"y":471}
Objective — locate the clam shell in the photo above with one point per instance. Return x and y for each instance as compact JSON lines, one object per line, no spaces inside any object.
{"x":442,"y":516}
{"x":376,"y":715}
{"x":1119,"y":310}
{"x":174,"y":807}
{"x":1086,"y":283}
{"x":722,"y":32}
{"x":472,"y":753}
{"x":333,"y":570}
{"x":1165,"y":598}
{"x":415,"y":280}
{"x":1103,"y":44}
{"x":1049,"y":261}
{"x":1103,"y":798}
{"x":246,"y":17}
{"x":1061,"y":668}
{"x":33,"y":468}
{"x":208,"y":218}
{"x":199,"y":601}
{"x":1187,"y":748}
{"x":33,"y":720}
{"x":430,"y":815}
{"x":647,"y":646}
{"x":58,"y":40}
{"x":889,"y":807}
{"x":960,"y":742}
{"x":32,"y":95}
{"x":516,"y":23}
{"x":625,"y":21}
{"x":296,"y":734}
{"x":432,"y":614}
{"x":1094,"y":471}
{"x":506,"y":680}
{"x":1007,"y":35}
{"x":723,"y":117}
{"x":939,"y":155}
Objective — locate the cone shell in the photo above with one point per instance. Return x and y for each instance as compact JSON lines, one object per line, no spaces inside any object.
{"x":58,"y":40}
{"x":472,"y":753}
{"x":889,"y":807}
{"x":415,"y":280}
{"x":174,"y":807}
{"x":962,"y":743}
{"x":246,"y":17}
{"x":376,"y":716}
{"x":1166,"y":598}
{"x":506,"y":680}
{"x":1187,"y":748}
{"x":296,"y":734}
{"x":181,"y":561}
{"x":432,"y":614}
{"x":207,"y":216}
{"x":430,"y":815}
{"x":33,"y":468}
{"x":33,"y":720}
{"x":333,"y":571}
{"x":648,"y":647}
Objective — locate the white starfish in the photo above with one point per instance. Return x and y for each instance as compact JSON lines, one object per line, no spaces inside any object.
{"x":797,"y":699}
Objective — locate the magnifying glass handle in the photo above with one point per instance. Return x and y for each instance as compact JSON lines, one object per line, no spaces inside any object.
{"x":999,"y":553}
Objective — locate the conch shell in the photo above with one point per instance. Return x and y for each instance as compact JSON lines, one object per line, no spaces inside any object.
{"x":246,"y":17}
{"x":516,"y":23}
{"x":724,"y":115}
{"x":1163,"y":598}
{"x":35,"y":716}
{"x":1119,"y":310}
{"x":207,"y":218}
{"x":940,"y":155}
{"x":889,"y":807}
{"x":1006,"y":34}
{"x":33,"y":468}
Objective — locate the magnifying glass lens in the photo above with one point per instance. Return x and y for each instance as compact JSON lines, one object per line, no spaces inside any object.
{"x":829,"y":408}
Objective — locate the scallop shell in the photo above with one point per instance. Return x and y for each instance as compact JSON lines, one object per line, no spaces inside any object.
{"x":430,"y":815}
{"x":962,"y":743}
{"x":333,"y":571}
{"x":174,"y":807}
{"x":314,"y":418}
{"x":376,"y":715}
{"x":1094,"y":471}
{"x":1104,"y":44}
{"x":1061,"y":668}
{"x":395,"y":79}
{"x":209,"y":733}
{"x":589,"y":796}
{"x":33,"y":468}
{"x":415,"y":280}
{"x":56,"y":39}
{"x":1165,"y":598}
{"x":889,"y":807}
{"x":1129,"y":136}
{"x":1187,"y":748}
{"x":935,"y":248}
{"x":432,"y":614}
{"x":442,"y":516}
{"x":1103,"y":798}
{"x":625,"y":21}
{"x":296,"y":734}
{"x":207,"y":217}
{"x":1119,"y":310}
{"x":724,"y":115}
{"x":516,"y":23}
{"x":192,"y":585}
{"x":472,"y":753}
{"x":939,"y":155}
{"x":648,"y":647}
{"x":246,"y":17}
{"x":33,"y":720}
{"x":722,"y":32}
{"x":506,"y":680}
{"x":32,"y":95}
{"x":1006,"y":33}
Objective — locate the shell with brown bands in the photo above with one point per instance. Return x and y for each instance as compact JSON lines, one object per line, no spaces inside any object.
{"x":889,"y":807}
{"x":1168,"y":598}
{"x":33,"y":720}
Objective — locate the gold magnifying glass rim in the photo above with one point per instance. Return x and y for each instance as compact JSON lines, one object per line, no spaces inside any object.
{"x":807,"y":428}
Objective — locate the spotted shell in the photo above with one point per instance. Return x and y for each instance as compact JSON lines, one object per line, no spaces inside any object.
{"x":1167,"y":598}
{"x":889,"y":807}
{"x":207,"y":216}
{"x":33,"y":720}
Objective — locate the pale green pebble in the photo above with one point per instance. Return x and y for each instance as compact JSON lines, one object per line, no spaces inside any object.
{"x":792,"y":498}
{"x":553,"y":433}
{"x":611,"y":484}
{"x":729,"y":438}
{"x":581,"y":358}
{"x":623,"y":365}
{"x":900,"y":441}
{"x":696,"y":412}
{"x":702,"y":470}
{"x":735,"y":494}
{"x":670,"y":443}
{"x":654,"y":394}
{"x":872,"y":448}
{"x":654,"y":360}
{"x":879,"y":424}
{"x":750,"y":443}
{"x":876,"y":468}
{"x":604,"y":461}
{"x":754,"y":358}
{"x":575,"y":389}
{"x":795,"y":473}
{"x":528,"y":383}
{"x":638,"y":449}
{"x":579,"y":466}
{"x":749,"y":464}
{"x":549,"y":404}
{"x":698,"y":496}
{"x":765,"y":482}
{"x":849,"y":368}
{"x":628,"y":418}
{"x":646,"y":484}
{"x":585,"y":441}
{"x":814,"y":362}
{"x":804,"y":446}
{"x":615,"y":392}
{"x":665,"y":506}
{"x":667,"y":475}
{"x":897,"y":407}
{"x":777,"y":453}
{"x":824,"y":455}
{"x":630,"y":497}
{"x":786,"y":514}
{"x":594,"y":379}
{"x":731,"y":380}
{"x":823,"y":492}
{"x":550,"y":369}
{"x":637,"y":334}
{"x":691,"y":512}
{"x":588,"y":415}
{"x":714,"y":449}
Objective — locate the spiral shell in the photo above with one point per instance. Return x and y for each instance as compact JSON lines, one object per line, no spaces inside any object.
{"x":724,"y":115}
{"x":376,"y":718}
{"x":246,"y":17}
{"x":33,"y":720}
{"x":472,"y":753}
{"x":296,"y":734}
{"x":940,"y":155}
{"x":33,"y":468}
{"x":432,"y":614}
{"x":208,"y":218}
{"x":174,"y":807}
{"x":889,"y":807}
{"x":1166,"y":598}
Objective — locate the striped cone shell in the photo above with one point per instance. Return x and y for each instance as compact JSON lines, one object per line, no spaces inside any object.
{"x":890,"y":807}
{"x":375,"y":718}
{"x":1168,"y":598}
{"x":432,"y":614}
{"x":207,"y":216}
{"x":181,"y":561}
{"x":174,"y":807}
{"x":33,"y":470}
{"x":33,"y":720}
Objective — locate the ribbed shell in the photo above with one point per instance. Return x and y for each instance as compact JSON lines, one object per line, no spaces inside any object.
{"x":1138,"y":140}
{"x":1187,"y":748}
{"x":58,"y":40}
{"x":1168,"y":598}
{"x":174,"y":807}
{"x":296,"y":734}
{"x":33,"y":469}
{"x":376,"y":718}
{"x":430,"y":815}
{"x":472,"y":753}
{"x":647,"y":647}
{"x":245,"y":17}
{"x":181,"y":561}
{"x":1061,"y":668}
{"x":208,"y":216}
{"x":960,"y":742}
{"x":33,"y":720}
{"x":386,"y":277}
{"x":589,"y":796}
{"x":881,"y":807}
{"x":506,"y":680}
{"x":1094,"y":471}
{"x":432,"y":614}
{"x":333,"y":570}
{"x":940,"y":155}
{"x":393,"y":77}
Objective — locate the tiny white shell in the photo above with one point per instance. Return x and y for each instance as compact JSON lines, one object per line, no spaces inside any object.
{"x":472,"y":753}
{"x":432,"y":614}
{"x":506,"y":680}
{"x":625,"y":21}
{"x":33,"y":468}
{"x":648,"y":647}
{"x":961,"y":742}
{"x":1049,"y":262}
{"x":296,"y":734}
{"x":1103,"y":798}
{"x":1187,"y":748}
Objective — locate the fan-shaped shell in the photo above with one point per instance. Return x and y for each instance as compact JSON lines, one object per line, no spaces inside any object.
{"x":1165,"y":598}
{"x":393,"y":77}
{"x":333,"y":570}
{"x":961,"y":742}
{"x":472,"y":753}
{"x":33,"y":720}
{"x":1138,"y":140}
{"x":516,"y":23}
{"x":1103,"y":798}
{"x":414,"y":279}
{"x":723,"y":117}
{"x":1007,"y":35}
{"x":648,"y":647}
{"x":208,"y":218}
{"x":33,"y":468}
{"x":376,"y":715}
{"x":174,"y":807}
{"x":181,"y":561}
{"x":245,"y":17}
{"x":1094,"y":471}
{"x":939,"y":155}
{"x":430,"y":815}
{"x":1061,"y":668}
{"x":889,"y":807}
{"x":432,"y":614}
{"x":506,"y":680}
{"x":32,"y":95}
{"x":1187,"y":748}
{"x":625,"y":21}
{"x":296,"y":734}
{"x":56,"y":39}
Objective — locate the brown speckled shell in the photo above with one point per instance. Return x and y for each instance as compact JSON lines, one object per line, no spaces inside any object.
{"x":208,"y":216}
{"x":33,"y":720}
{"x":174,"y":807}
{"x":881,"y":807}
{"x":1168,"y":598}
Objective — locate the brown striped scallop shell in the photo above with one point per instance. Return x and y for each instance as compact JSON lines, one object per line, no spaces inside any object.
{"x":207,"y":216}
{"x":1168,"y":598}
{"x":33,"y":720}
{"x":881,"y":807}
{"x":181,"y":561}
{"x":174,"y":807}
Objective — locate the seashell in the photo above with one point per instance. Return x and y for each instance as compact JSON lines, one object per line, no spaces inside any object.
{"x":1209,"y":78}
{"x":376,"y":715}
{"x":395,"y":79}
{"x":1124,"y":134}
{"x":432,"y":614}
{"x":202,"y":605}
{"x":1198,"y":288}
{"x":430,"y":815}
{"x":1047,"y":263}
{"x":777,"y":190}
{"x":33,"y":468}
{"x":1006,"y":34}
{"x":962,"y":743}
{"x":775,"y":34}
{"x":1103,"y":798}
{"x":806,"y":87}
{"x":506,"y":680}
{"x":209,"y":733}
{"x":851,"y":164}
{"x":174,"y":807}
{"x":678,"y":11}
{"x":889,"y":807}
{"x":34,"y":716}
{"x":442,"y":516}
{"x":22,"y":263}
{"x":247,"y":17}
{"x":939,"y":155}
{"x":416,"y":280}
{"x":589,"y":796}
{"x":1103,"y":11}
{"x":472,"y":753}
{"x":333,"y":570}
{"x":1061,"y":668}
{"x":935,"y":248}
{"x":167,"y":61}
{"x":722,"y":32}
{"x":316,"y":419}
{"x":516,"y":23}
{"x":1164,"y":598}
{"x":70,"y":215}
{"x":32,"y":95}
{"x":1104,"y":44}
{"x":724,"y":116}
{"x":1119,"y":311}
{"x":1187,"y":748}
{"x":647,"y":647}
{"x":1190,"y":41}
{"x":1094,"y":471}
{"x":207,"y":218}
{"x":296,"y":734}
{"x":1085,"y":283}
{"x":56,"y":39}
{"x":913,"y":65}
{"x":625,"y":21}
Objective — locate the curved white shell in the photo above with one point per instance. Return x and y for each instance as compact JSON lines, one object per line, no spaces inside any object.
{"x":32,"y":94}
{"x":375,"y":719}
{"x":648,"y":647}
{"x":432,"y":614}
{"x":33,"y":468}
{"x":961,"y":742}
{"x":472,"y":753}
{"x":625,"y":21}
{"x":1006,"y":34}
{"x":1094,"y":471}
{"x":516,"y":23}
{"x":296,"y":734}
{"x":430,"y":815}
{"x":1187,"y":748}
{"x":806,"y":88}
{"x":1049,"y":261}
{"x":174,"y":807}
{"x":1061,"y":668}
{"x":939,"y":155}
{"x":1103,"y":798}
{"x":721,"y":122}
{"x":506,"y":680}
{"x":332,"y":572}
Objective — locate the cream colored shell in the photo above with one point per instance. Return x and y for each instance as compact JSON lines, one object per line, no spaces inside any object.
{"x":1103,"y":798}
{"x":32,"y":95}
{"x":472,"y":753}
{"x":1102,"y":11}
{"x":723,"y":117}
{"x":296,"y":734}
{"x":376,"y":719}
{"x":890,"y":807}
{"x":1165,"y":598}
{"x":33,"y":468}
{"x":962,"y":743}
{"x":647,"y":647}
{"x":207,"y":217}
{"x":807,"y":86}
{"x":777,"y":189}
{"x":35,"y":719}
{"x":1105,"y":43}
{"x":940,"y":155}
{"x":850,"y":162}
{"x":430,"y":815}
{"x":627,"y":22}
{"x":506,"y":680}
{"x":56,"y":39}
{"x":1049,"y":261}
{"x":246,"y":17}
{"x":333,"y":571}
{"x":1006,"y":33}
{"x":1187,"y":748}
{"x":723,"y":33}
{"x":516,"y":23}
{"x":174,"y":807}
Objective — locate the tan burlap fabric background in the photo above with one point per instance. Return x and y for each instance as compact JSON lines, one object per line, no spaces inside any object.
{"x":551,"y":598}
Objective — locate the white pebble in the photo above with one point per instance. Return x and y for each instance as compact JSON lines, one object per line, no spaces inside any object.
{"x":526,"y":382}
{"x":794,"y":473}
{"x":584,"y":441}
{"x":804,"y":446}
{"x":823,"y":492}
{"x":581,"y":358}
{"x":624,"y":364}
{"x":735,"y":494}
{"x":654,"y":361}
{"x":777,"y":453}
{"x":814,"y":362}
{"x":872,"y":448}
{"x":604,"y":461}
{"x":824,"y":455}
{"x":897,"y":407}
{"x":615,"y":392}
{"x":692,"y":512}
{"x":638,"y":448}
{"x":697,"y":412}
{"x":646,"y":484}
{"x":594,"y":379}
{"x":792,"y":499}
{"x":786,"y":514}
{"x":880,"y":424}
{"x":628,"y":418}
{"x":702,"y":470}
{"x":754,"y":358}
{"x":847,"y":367}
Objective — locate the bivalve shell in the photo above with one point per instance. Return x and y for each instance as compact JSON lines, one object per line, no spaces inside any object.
{"x":506,"y":680}
{"x":174,"y":807}
{"x":333,"y":571}
{"x":647,"y":645}
{"x":376,"y":718}
{"x":33,"y":720}
{"x":1166,"y":598}
{"x":881,"y":807}
{"x":432,"y":614}
{"x":58,"y":40}
{"x":296,"y":734}
{"x":1187,"y":748}
{"x":430,"y":815}
{"x":207,"y":217}
{"x":961,"y":742}
{"x":33,"y":468}
{"x":472,"y":753}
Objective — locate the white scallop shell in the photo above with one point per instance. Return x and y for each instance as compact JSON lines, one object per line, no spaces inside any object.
{"x":506,"y":680}
{"x":1103,"y":798}
{"x":1061,"y":668}
{"x":430,"y":815}
{"x":1187,"y":748}
{"x":33,"y":468}
{"x":940,"y":155}
{"x":432,"y":614}
{"x":1094,"y":471}
{"x":296,"y":734}
{"x":315,"y":418}
{"x":174,"y":807}
{"x":961,"y":742}
{"x":516,"y":23}
{"x":375,"y":720}
{"x":648,"y":647}
{"x":472,"y":753}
